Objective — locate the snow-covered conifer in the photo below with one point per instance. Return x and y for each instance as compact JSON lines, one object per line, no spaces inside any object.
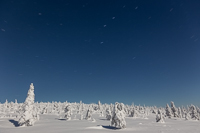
{"x":187,"y":116}
{"x":89,"y":114}
{"x":108,"y":114}
{"x":29,"y":114}
{"x":174,"y":110}
{"x":99,"y":106}
{"x":145,"y":114}
{"x":183,"y":110}
{"x":179,"y":112}
{"x":6,"y":104}
{"x":160,"y":117}
{"x":68,"y":112}
{"x":118,"y":117}
{"x":134,"y":113}
{"x":168,"y":111}
{"x":194,"y":114}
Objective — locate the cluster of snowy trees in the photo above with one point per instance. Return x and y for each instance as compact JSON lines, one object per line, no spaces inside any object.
{"x":190,"y":113}
{"x":27,"y":113}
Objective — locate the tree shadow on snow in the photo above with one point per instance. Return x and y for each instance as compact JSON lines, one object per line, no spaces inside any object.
{"x":61,"y":119}
{"x":110,"y":127}
{"x":15,"y":123}
{"x":104,"y":119}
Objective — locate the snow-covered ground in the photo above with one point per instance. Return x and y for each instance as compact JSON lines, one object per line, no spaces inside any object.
{"x":50,"y":123}
{"x":57,"y":117}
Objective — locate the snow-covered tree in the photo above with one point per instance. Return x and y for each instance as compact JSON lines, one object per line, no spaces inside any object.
{"x":187,"y":116}
{"x":99,"y":106}
{"x":168,"y":111}
{"x":68,"y":112}
{"x":118,"y":117}
{"x":6,"y":104}
{"x":29,"y":114}
{"x":134,"y":113}
{"x":183,"y":110}
{"x":160,"y":117}
{"x":180,"y":112}
{"x":174,"y":110}
{"x":79,"y":108}
{"x":44,"y":110}
{"x":145,"y":114}
{"x":89,"y":114}
{"x":194,"y":114}
{"x":108,"y":114}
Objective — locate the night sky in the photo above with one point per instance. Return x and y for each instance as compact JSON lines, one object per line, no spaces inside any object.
{"x":141,"y":51}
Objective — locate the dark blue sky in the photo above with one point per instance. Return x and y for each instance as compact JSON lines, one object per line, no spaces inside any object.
{"x":146,"y":52}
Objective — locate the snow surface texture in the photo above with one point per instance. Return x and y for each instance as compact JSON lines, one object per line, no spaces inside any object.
{"x":49,"y":123}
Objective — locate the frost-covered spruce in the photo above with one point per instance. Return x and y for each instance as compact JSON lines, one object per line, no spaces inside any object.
{"x":6,"y":104}
{"x":198,"y":110}
{"x":68,"y":112}
{"x":145,"y":114}
{"x":44,"y":110}
{"x":118,"y":117}
{"x":154,"y":111}
{"x":29,"y":114}
{"x":174,"y":110}
{"x":179,"y":112}
{"x":108,"y":114}
{"x":89,"y":114}
{"x":187,"y":116}
{"x":99,"y":106}
{"x":183,"y":112}
{"x":194,"y":114}
{"x":168,"y":111}
{"x":160,"y":117}
{"x":134,"y":113}
{"x":79,"y":108}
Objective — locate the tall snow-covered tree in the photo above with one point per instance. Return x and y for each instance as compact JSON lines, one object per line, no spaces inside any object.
{"x":68,"y":112}
{"x":193,"y":113}
{"x":174,"y":109}
{"x":180,"y":112}
{"x":29,"y":114}
{"x":89,"y":114}
{"x":99,"y":106}
{"x":183,"y":110}
{"x":118,"y":117}
{"x":168,"y":111}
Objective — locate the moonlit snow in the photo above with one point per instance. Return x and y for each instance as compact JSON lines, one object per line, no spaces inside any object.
{"x":79,"y":117}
